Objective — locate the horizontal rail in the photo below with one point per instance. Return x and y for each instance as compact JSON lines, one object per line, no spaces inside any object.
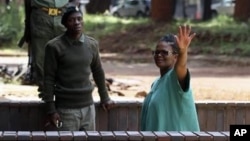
{"x":113,"y":136}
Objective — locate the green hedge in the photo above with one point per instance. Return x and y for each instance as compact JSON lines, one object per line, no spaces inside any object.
{"x":11,"y":23}
{"x":221,"y":35}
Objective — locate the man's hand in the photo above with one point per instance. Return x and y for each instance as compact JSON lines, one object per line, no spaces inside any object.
{"x":184,"y":37}
{"x":107,"y":105}
{"x":53,"y":119}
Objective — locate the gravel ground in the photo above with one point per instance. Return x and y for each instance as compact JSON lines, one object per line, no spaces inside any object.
{"x":212,"y":80}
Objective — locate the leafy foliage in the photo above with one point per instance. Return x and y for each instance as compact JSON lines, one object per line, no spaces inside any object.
{"x":11,"y":23}
{"x":102,"y":25}
{"x":221,"y":35}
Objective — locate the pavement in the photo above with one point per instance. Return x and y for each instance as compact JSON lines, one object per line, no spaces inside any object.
{"x":213,"y":77}
{"x":142,"y":58}
{"x":16,"y":92}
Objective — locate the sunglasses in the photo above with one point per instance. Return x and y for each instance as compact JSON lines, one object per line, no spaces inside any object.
{"x":162,"y":52}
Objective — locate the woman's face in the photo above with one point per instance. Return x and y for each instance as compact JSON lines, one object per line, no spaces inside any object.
{"x":163,"y":55}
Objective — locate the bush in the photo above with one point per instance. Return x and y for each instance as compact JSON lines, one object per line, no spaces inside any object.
{"x":221,"y":35}
{"x":11,"y":23}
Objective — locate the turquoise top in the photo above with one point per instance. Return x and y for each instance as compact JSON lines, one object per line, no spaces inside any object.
{"x":168,"y":108}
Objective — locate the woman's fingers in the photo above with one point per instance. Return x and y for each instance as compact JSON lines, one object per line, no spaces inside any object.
{"x":184,"y":28}
{"x":180,"y":31}
{"x":192,"y":35}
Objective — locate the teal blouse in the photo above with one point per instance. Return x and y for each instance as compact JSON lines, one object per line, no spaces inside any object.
{"x":168,"y":108}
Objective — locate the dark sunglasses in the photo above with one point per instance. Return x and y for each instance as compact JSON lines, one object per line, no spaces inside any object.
{"x":162,"y":52}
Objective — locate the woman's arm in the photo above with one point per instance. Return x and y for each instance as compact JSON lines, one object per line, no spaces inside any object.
{"x":183,"y":40}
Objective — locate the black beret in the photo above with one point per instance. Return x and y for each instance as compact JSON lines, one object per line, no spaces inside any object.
{"x":69,"y":11}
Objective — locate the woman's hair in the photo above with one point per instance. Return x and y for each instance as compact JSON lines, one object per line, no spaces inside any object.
{"x":170,"y":39}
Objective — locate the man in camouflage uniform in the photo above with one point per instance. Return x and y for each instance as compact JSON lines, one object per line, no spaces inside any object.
{"x":43,"y":23}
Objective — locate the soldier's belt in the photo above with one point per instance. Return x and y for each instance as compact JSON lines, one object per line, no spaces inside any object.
{"x":52,"y":11}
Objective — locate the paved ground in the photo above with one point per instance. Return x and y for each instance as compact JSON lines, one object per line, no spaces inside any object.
{"x":213,"y":78}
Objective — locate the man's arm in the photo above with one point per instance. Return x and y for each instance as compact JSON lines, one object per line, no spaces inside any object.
{"x":98,"y":73}
{"x":26,"y":35}
{"x":50,"y":68}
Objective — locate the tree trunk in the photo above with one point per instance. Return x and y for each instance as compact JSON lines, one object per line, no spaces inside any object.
{"x":162,"y":10}
{"x":207,"y":12}
{"x":183,"y":4}
{"x":242,"y":10}
{"x":97,"y":6}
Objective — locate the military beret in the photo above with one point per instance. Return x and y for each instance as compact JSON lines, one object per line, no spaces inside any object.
{"x":69,"y":10}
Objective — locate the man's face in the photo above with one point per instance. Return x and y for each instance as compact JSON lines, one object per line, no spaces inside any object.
{"x":74,"y":23}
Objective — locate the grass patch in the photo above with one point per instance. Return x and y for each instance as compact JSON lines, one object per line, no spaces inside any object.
{"x":103,"y":25}
{"x":11,"y":23}
{"x":221,"y":35}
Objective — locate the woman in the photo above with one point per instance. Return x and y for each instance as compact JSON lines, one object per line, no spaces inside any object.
{"x":170,"y":106}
